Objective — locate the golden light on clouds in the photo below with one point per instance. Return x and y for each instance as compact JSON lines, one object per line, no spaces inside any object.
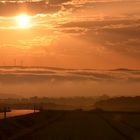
{"x":23,"y":21}
{"x":101,"y":34}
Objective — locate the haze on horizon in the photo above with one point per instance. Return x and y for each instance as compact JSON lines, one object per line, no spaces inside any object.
{"x":72,"y":34}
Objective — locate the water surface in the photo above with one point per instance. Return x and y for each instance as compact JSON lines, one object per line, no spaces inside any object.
{"x":16,"y":113}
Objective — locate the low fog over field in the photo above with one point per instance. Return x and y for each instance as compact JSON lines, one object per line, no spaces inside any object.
{"x":57,"y":82}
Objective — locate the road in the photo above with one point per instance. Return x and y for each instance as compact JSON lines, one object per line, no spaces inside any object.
{"x":77,"y":125}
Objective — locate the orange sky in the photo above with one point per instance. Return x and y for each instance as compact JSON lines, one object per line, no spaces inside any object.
{"x":75,"y":34}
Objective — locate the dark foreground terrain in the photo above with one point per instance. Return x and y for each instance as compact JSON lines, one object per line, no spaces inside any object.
{"x":72,"y":125}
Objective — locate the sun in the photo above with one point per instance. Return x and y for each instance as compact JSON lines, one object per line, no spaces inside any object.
{"x":23,"y":21}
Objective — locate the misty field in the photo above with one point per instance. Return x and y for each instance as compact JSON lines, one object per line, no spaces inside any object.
{"x":72,"y":125}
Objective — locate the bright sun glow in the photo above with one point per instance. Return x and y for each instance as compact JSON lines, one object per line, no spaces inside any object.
{"x":23,"y":21}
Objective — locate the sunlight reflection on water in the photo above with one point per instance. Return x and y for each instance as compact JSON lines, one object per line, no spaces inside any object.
{"x":16,"y":113}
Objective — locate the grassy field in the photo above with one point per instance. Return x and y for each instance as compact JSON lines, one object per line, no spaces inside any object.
{"x":72,"y":125}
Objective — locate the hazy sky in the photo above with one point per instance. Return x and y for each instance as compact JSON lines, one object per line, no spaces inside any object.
{"x":75,"y":34}
{"x":98,"y":34}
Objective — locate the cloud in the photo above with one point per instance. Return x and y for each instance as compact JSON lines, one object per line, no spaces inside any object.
{"x":98,"y":32}
{"x":53,"y":75}
{"x":57,"y":82}
{"x":121,"y":35}
{"x":41,"y":7}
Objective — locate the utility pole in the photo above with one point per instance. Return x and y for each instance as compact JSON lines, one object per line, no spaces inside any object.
{"x":5,"y":111}
{"x":34,"y":108}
